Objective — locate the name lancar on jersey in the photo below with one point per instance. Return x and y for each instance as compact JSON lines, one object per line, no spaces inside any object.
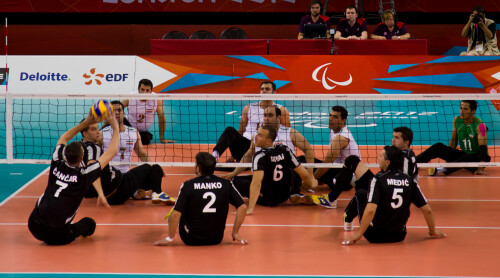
{"x":64,"y":177}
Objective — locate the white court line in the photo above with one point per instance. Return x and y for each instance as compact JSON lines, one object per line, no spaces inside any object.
{"x":24,"y":186}
{"x":342,"y":199}
{"x":271,"y":226}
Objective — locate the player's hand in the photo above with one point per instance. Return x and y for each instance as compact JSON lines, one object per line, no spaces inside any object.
{"x":163,"y":242}
{"x":357,"y":236}
{"x":471,"y":17}
{"x":437,"y":234}
{"x":480,"y":172}
{"x":90,"y":118}
{"x":237,"y":237}
{"x":111,"y":120}
{"x":228,"y":176}
{"x":103,"y":201}
{"x":166,"y":141}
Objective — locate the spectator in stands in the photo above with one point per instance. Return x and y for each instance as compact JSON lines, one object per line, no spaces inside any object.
{"x":315,"y":17}
{"x":390,"y":28}
{"x":481,"y":34}
{"x":141,"y":113}
{"x":351,"y":27}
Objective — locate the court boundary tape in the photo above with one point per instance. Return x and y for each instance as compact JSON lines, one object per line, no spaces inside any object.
{"x":24,"y":186}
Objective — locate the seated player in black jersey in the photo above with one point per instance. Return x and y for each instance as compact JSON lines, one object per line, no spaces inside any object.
{"x":202,"y":206}
{"x":118,"y":187}
{"x":383,"y":200}
{"x":51,"y":220}
{"x":401,"y":138}
{"x":292,"y":139}
{"x":270,"y":183}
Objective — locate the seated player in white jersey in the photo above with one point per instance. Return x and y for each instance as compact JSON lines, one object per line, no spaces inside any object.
{"x":118,"y":186}
{"x":342,"y":145}
{"x":270,"y":184}
{"x":285,"y":136}
{"x":383,"y":200}
{"x":130,"y":141}
{"x":52,"y":218}
{"x":202,"y":207}
{"x":141,"y":113}
{"x":238,"y":141}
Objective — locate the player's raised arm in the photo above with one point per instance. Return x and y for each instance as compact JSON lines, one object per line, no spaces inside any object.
{"x":68,"y":135}
{"x":113,"y":145}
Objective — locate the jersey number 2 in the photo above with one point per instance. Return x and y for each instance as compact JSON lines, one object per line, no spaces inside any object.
{"x":208,"y":208}
{"x":62,"y":185}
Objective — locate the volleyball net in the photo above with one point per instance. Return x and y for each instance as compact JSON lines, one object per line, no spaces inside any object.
{"x":30,"y":124}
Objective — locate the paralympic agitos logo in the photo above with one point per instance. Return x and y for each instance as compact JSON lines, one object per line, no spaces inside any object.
{"x":327,"y":82}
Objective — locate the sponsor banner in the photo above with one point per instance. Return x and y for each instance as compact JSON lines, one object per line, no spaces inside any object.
{"x":315,"y":74}
{"x":72,"y":74}
{"x":4,"y":77}
{"x":113,"y":6}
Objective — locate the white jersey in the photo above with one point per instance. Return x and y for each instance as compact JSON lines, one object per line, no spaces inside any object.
{"x":351,"y":148}
{"x":255,"y":119}
{"x":282,"y":138}
{"x":128,"y":138}
{"x":141,"y":114}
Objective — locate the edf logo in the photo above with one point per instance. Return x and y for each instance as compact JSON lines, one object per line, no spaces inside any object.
{"x":92,"y":77}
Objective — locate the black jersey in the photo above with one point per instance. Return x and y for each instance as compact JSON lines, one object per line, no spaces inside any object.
{"x":204,"y":204}
{"x":393,"y":192}
{"x":65,"y":190}
{"x":110,"y":176}
{"x":276,"y":162}
{"x":410,"y":164}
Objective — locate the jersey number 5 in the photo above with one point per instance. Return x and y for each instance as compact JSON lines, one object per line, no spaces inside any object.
{"x":397,"y":197}
{"x":208,"y":208}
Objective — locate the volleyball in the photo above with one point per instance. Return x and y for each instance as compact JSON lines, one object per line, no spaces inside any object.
{"x":101,"y":109}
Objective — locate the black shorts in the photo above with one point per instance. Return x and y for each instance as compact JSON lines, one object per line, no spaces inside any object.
{"x":188,"y":239}
{"x":374,"y":235}
{"x":58,"y":235}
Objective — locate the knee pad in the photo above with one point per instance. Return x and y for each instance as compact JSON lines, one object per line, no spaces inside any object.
{"x":351,"y":162}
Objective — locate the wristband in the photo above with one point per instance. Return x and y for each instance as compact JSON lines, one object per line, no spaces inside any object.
{"x":169,"y":239}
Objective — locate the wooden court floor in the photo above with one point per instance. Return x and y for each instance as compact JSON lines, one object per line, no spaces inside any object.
{"x":285,"y":240}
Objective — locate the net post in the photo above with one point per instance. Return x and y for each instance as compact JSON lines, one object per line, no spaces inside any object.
{"x":8,"y":128}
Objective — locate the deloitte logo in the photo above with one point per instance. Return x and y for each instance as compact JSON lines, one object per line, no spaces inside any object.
{"x":49,"y":76}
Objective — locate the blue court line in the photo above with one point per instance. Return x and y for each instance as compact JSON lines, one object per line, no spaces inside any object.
{"x":14,"y":176}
